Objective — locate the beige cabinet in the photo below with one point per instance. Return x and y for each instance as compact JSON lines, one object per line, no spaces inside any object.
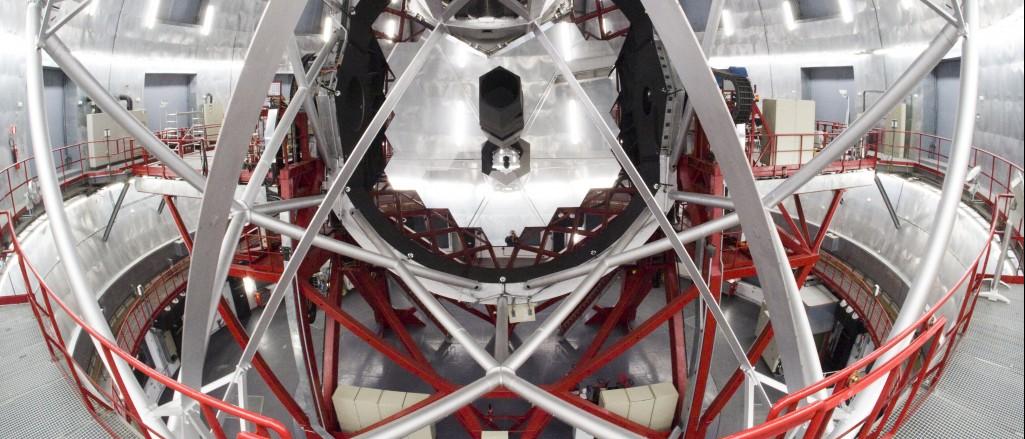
{"x":792,"y":122}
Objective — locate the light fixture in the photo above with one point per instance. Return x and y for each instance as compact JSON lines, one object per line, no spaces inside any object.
{"x":326,"y":28}
{"x":151,"y":14}
{"x":845,"y":11}
{"x":727,"y":22}
{"x":91,"y":9}
{"x":208,"y":20}
{"x":248,"y":284}
{"x":391,"y":29}
{"x":576,"y":132}
{"x":906,"y":4}
{"x":973,"y":174}
{"x":788,"y":15}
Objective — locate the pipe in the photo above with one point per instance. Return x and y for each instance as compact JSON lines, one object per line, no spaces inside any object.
{"x":278,"y":206}
{"x":103,"y":100}
{"x":707,"y":43}
{"x":53,"y":202}
{"x":81,"y":76}
{"x":502,"y":329}
{"x":886,"y":200}
{"x":702,"y":199}
{"x":944,"y":218}
{"x":114,"y":212}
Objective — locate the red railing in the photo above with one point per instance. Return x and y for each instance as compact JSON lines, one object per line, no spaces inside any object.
{"x":115,"y":397}
{"x":929,"y":153}
{"x":80,"y":161}
{"x":919,"y":363}
{"x":780,"y":155}
{"x":850,"y":287}
{"x":131,"y":325}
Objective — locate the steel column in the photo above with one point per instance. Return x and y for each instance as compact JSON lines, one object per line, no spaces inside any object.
{"x":796,"y":343}
{"x":946,"y":210}
{"x":642,"y":189}
{"x":60,"y":228}
{"x":243,"y":110}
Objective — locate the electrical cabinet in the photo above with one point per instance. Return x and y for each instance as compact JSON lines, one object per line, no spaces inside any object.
{"x":344,"y":400}
{"x":642,"y":401}
{"x":360,"y":407}
{"x":615,"y":401}
{"x":423,"y":433}
{"x":367,"y":406}
{"x":653,"y":406}
{"x":664,"y":410}
{"x":102,"y":133}
{"x":895,"y":132}
{"x":793,"y":124}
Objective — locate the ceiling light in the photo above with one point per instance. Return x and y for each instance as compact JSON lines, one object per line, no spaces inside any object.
{"x":845,"y":11}
{"x":326,"y":29}
{"x":391,"y":29}
{"x":208,"y":20}
{"x":788,"y":16}
{"x":906,"y":4}
{"x":727,"y":22}
{"x":151,"y":14}
{"x":576,"y":122}
{"x":248,"y":284}
{"x":91,"y":9}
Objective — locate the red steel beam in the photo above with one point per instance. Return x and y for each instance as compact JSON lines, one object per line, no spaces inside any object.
{"x":273,"y":383}
{"x":332,"y":337}
{"x":802,"y":238}
{"x":375,"y":293}
{"x":239,"y":334}
{"x":367,"y":335}
{"x":179,"y":223}
{"x":636,"y":285}
{"x":677,"y":334}
{"x":827,"y":220}
{"x":585,"y":304}
{"x":538,"y":419}
{"x":707,"y":340}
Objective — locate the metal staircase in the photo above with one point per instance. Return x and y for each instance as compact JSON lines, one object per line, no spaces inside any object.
{"x":36,"y":399}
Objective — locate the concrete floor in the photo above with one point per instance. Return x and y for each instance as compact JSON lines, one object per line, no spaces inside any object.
{"x":648,"y":362}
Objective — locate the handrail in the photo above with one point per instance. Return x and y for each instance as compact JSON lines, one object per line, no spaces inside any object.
{"x":787,"y":415}
{"x":905,"y":373}
{"x":131,"y":325}
{"x":847,"y":284}
{"x":121,"y":155}
{"x":118,"y":397}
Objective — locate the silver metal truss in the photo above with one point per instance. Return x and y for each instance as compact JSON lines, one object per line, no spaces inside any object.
{"x":682,"y":47}
{"x":848,"y":138}
{"x":255,"y":184}
{"x":53,"y":202}
{"x":782,"y":296}
{"x":702,"y":199}
{"x":707,"y":44}
{"x":663,"y":222}
{"x":916,"y":300}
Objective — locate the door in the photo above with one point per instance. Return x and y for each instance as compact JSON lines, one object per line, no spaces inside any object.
{"x":55,"y":97}
{"x":167,"y":98}
{"x":832,"y":89}
{"x":948,"y":78}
